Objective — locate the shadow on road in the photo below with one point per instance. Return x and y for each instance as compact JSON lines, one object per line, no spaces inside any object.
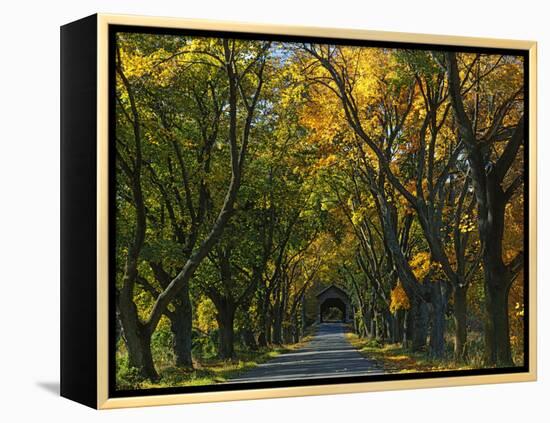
{"x":328,"y":354}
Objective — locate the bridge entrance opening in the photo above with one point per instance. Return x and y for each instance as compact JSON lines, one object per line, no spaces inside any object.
{"x":333,"y":310}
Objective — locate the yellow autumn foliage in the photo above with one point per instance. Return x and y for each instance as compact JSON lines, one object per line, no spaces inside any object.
{"x":206,"y":315}
{"x":399,"y":299}
{"x":421,"y":265}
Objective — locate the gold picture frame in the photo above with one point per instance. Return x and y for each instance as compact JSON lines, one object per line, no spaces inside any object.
{"x":97,"y":394}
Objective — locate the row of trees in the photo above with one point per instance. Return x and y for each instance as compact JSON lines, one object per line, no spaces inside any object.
{"x":430,"y":153}
{"x":249,"y":172}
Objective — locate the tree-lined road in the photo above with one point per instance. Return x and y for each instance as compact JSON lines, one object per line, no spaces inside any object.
{"x":328,"y":354}
{"x":251,"y":175}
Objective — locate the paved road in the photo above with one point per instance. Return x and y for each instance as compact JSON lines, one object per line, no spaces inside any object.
{"x":328,"y":354}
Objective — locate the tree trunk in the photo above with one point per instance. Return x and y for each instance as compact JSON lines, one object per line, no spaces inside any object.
{"x":268,"y":329}
{"x":364,"y":320}
{"x":437,"y":333}
{"x":181,"y":323}
{"x":460,"y":319}
{"x":396,"y":332}
{"x":303,"y":316}
{"x":419,"y":324}
{"x":400,"y":318}
{"x":408,"y":335}
{"x":374,"y":325}
{"x":388,"y":326}
{"x":277,"y":329}
{"x":288,"y":335}
{"x":360,"y":327}
{"x":497,"y":341}
{"x":295,"y":328}
{"x":263,"y":319}
{"x":181,"y":318}
{"x":138,"y":340}
{"x":249,"y":340}
{"x":497,"y":279}
{"x":369,"y":316}
{"x":262,"y":339}
{"x":225,"y":318}
{"x":265,"y":328}
{"x":248,"y":331}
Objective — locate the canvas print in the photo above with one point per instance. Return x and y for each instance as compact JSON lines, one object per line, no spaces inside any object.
{"x":290,"y":211}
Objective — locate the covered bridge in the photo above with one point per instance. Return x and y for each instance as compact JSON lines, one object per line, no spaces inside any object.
{"x":334,"y":297}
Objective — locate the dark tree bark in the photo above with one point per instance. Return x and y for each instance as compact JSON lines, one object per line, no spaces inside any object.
{"x":400,"y":322}
{"x":437,"y":333}
{"x":408,"y":328}
{"x":225,"y":318}
{"x":227,"y":300}
{"x":138,"y":339}
{"x":277,"y":334}
{"x":181,"y":323}
{"x":249,"y":340}
{"x":460,"y":321}
{"x":395,"y":326}
{"x":247,"y":333}
{"x":303,"y":316}
{"x":419,"y":318}
{"x":497,"y":330}
{"x":263,"y":323}
{"x":295,"y":328}
{"x":270,"y":329}
{"x":181,"y":318}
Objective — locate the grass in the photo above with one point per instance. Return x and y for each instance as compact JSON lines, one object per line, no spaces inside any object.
{"x":205,"y":372}
{"x":211,"y":371}
{"x":394,"y":358}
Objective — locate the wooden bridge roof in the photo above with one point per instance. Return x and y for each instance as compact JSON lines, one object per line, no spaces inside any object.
{"x":332,"y":286}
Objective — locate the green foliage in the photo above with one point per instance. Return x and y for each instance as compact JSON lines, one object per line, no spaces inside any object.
{"x":205,"y":344}
{"x":161,"y":346}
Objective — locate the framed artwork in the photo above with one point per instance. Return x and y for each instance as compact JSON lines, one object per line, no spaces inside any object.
{"x":254,"y":211}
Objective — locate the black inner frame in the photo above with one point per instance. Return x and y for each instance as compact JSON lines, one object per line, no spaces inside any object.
{"x":113,"y":392}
